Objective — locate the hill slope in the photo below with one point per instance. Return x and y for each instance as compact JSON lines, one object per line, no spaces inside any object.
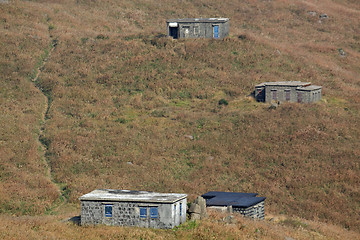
{"x":115,"y":101}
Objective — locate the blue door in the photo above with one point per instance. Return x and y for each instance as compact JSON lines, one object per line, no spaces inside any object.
{"x":216,"y":31}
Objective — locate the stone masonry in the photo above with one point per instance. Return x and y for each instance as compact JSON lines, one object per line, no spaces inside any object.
{"x":133,"y":208}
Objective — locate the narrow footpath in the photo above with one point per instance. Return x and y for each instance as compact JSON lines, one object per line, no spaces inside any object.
{"x":44,"y":116}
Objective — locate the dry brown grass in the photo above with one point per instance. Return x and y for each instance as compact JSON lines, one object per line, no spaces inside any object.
{"x":120,"y":93}
{"x":216,"y":227}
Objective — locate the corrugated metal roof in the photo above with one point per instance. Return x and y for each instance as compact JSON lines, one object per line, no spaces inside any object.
{"x":194,"y":20}
{"x":235,"y":199}
{"x":228,"y":194}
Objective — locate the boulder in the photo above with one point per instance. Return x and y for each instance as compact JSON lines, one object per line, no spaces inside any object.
{"x":195,"y":216}
{"x":189,"y":137}
{"x":323,"y":16}
{"x":342,"y":53}
{"x":195,"y":208}
{"x":230,"y":219}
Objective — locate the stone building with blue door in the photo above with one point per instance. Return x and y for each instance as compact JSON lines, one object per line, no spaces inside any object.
{"x":133,"y":208}
{"x":287,"y":91}
{"x":217,"y":28}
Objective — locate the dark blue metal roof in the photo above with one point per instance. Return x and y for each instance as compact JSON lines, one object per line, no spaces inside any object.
{"x":228,"y":194}
{"x":235,"y":199}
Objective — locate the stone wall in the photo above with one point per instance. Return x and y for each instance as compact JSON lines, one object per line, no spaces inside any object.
{"x":266,"y":94}
{"x":201,"y":29}
{"x":280,"y":93}
{"x":309,"y":96}
{"x":257,"y":211}
{"x":128,"y":214}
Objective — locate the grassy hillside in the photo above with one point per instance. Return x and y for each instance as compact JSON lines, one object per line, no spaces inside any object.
{"x":216,"y":227}
{"x":116,"y":102}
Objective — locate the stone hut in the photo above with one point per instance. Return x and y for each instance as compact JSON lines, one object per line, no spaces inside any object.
{"x":246,"y":204}
{"x":133,"y":208}
{"x":289,"y":91}
{"x":217,"y":28}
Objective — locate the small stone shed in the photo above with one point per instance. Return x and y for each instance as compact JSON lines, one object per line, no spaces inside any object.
{"x":133,"y":208}
{"x":246,"y":204}
{"x":288,"y":91}
{"x":217,"y":28}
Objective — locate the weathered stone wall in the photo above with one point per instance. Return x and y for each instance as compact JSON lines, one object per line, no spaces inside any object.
{"x":128,"y":214}
{"x":257,"y":211}
{"x":307,"y":96}
{"x":280,"y":93}
{"x":310,"y":96}
{"x":201,"y":29}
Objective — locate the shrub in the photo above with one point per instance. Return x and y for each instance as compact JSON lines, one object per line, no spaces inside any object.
{"x":223,"y":102}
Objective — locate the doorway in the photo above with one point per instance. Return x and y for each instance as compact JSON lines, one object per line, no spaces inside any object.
{"x":216,"y":31}
{"x":174,"y":32}
{"x":300,"y":97}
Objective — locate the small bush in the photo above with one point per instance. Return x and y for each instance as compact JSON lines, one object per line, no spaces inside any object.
{"x":223,"y":102}
{"x":121,"y":120}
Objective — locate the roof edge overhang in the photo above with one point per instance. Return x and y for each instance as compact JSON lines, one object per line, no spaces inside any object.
{"x":197,"y":20}
{"x":309,"y":88}
{"x":131,"y":200}
{"x":255,"y":200}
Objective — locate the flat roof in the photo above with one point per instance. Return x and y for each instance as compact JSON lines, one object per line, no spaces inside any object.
{"x":192,"y":20}
{"x":309,"y":88}
{"x":235,"y":199}
{"x":212,"y":194}
{"x":284,"y":83}
{"x":131,"y":196}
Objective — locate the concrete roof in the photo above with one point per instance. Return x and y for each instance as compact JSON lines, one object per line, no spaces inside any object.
{"x":131,"y":196}
{"x":192,"y":20}
{"x":285,"y":83}
{"x":309,"y":88}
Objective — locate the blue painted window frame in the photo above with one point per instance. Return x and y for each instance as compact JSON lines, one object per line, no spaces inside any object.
{"x":154,"y":212}
{"x":143,"y":212}
{"x":108,"y":210}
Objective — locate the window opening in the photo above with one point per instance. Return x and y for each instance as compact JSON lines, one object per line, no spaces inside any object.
{"x":274,"y":95}
{"x":108,"y":210}
{"x":299,"y":97}
{"x":180,"y":208}
{"x":186,"y":31}
{"x":143,"y":212}
{"x":196,"y":30}
{"x":287,"y":95}
{"x":153,"y":212}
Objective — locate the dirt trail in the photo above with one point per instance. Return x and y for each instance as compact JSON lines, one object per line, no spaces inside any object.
{"x":42,"y":128}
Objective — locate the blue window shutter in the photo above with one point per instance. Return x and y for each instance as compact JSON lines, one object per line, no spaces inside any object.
{"x":108,"y":210}
{"x":154,"y":212}
{"x":143,"y":212}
